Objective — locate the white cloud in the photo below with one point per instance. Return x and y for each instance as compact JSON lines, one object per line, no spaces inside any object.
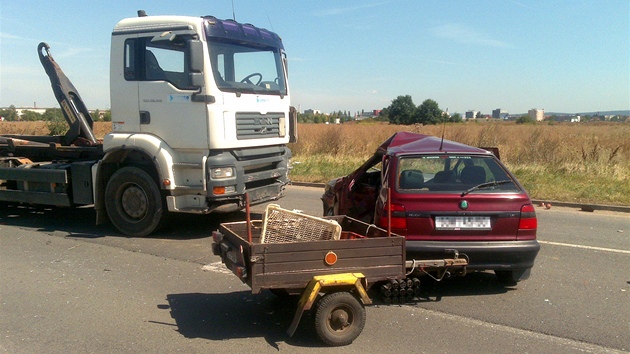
{"x":467,"y":35}
{"x":342,"y":10}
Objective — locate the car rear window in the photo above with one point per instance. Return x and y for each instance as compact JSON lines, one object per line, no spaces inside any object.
{"x":453,"y":173}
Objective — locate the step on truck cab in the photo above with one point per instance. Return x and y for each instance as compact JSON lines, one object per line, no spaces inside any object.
{"x":201,"y":116}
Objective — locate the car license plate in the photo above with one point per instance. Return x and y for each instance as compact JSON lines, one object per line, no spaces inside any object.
{"x":462,"y":223}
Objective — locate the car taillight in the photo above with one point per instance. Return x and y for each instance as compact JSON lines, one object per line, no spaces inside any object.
{"x":528,"y":219}
{"x":399,"y":217}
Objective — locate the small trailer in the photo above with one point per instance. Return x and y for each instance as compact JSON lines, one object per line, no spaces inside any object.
{"x":331,"y":262}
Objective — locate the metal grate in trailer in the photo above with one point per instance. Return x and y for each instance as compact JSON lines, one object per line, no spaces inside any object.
{"x":282,"y":226}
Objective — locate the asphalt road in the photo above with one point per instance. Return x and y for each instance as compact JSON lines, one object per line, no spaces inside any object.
{"x":67,"y":285}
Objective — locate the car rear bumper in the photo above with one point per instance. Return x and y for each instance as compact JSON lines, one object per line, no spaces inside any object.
{"x":496,"y":255}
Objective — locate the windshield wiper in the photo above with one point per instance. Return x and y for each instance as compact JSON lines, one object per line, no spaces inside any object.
{"x":484,"y":185}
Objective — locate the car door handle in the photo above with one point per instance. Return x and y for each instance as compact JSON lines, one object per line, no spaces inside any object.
{"x":145,"y":117}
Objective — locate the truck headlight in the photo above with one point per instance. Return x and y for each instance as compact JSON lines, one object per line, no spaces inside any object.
{"x":222,"y":172}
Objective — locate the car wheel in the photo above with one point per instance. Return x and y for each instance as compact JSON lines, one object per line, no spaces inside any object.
{"x":507,"y":277}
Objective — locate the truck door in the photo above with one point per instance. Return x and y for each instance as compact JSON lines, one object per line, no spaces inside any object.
{"x":166,"y":107}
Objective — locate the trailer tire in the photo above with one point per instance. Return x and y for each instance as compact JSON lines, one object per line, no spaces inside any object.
{"x":133,"y":202}
{"x":339,"y":318}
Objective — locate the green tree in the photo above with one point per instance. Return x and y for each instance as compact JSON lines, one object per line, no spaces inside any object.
{"x":96,"y":116}
{"x":383,"y":115}
{"x":455,"y":118}
{"x":52,"y":114}
{"x":525,"y":119}
{"x":429,"y":112}
{"x":107,"y":116}
{"x":402,"y":110}
{"x":30,"y":116}
{"x":9,"y":114}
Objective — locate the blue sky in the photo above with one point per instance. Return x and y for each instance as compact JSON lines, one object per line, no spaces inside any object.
{"x":558,"y":55}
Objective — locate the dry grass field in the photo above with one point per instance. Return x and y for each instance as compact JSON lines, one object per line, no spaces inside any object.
{"x":584,"y":162}
{"x":587,"y":163}
{"x":40,"y":128}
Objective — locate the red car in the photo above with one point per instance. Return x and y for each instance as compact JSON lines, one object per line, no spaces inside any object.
{"x":444,"y":196}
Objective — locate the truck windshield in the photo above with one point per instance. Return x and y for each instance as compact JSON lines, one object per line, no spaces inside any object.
{"x":243,"y":68}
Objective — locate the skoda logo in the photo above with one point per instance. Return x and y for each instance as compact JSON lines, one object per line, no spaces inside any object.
{"x":463,"y":204}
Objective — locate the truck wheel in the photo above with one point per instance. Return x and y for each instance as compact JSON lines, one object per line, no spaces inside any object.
{"x":133,"y":202}
{"x":339,"y":318}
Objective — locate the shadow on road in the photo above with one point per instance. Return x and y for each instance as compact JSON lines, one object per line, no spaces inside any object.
{"x":243,"y":315}
{"x":81,"y":222}
{"x":473,"y":284}
{"x":240,"y":315}
{"x":75,"y":221}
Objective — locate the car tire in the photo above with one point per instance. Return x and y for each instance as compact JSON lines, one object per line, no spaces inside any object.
{"x":507,"y":277}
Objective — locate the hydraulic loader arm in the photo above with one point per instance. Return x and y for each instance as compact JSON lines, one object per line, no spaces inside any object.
{"x":72,"y":106}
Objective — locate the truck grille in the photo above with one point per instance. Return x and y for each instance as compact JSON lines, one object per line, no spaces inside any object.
{"x":257,"y":126}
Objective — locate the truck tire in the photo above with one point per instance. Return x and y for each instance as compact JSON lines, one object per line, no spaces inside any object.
{"x":133,"y":202}
{"x":339,"y":318}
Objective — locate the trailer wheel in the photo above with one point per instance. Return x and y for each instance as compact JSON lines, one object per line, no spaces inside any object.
{"x":133,"y":202}
{"x":339,"y":318}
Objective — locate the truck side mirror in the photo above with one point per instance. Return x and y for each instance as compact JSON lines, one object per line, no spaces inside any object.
{"x":196,"y":55}
{"x":293,"y":119}
{"x":195,"y":62}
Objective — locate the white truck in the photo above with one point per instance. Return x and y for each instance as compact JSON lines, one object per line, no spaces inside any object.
{"x":201,"y":118}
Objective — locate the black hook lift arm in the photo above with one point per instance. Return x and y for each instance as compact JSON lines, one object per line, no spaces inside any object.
{"x":72,"y":106}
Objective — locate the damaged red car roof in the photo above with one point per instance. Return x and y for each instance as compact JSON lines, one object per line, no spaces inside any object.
{"x":406,"y":142}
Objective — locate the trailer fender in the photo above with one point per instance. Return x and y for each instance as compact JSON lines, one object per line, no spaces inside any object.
{"x":349,"y":280}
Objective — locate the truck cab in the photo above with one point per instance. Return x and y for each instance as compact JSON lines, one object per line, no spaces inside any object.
{"x":204,"y":105}
{"x":201,"y":118}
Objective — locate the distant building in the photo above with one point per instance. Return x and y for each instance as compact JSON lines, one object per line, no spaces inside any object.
{"x":20,"y":111}
{"x":500,"y":113}
{"x":536,"y":114}
{"x":472,"y":114}
{"x":312,"y":111}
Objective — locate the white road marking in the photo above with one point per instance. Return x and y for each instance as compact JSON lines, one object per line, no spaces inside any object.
{"x":584,"y":247}
{"x":564,"y":342}
{"x":216,"y":267}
